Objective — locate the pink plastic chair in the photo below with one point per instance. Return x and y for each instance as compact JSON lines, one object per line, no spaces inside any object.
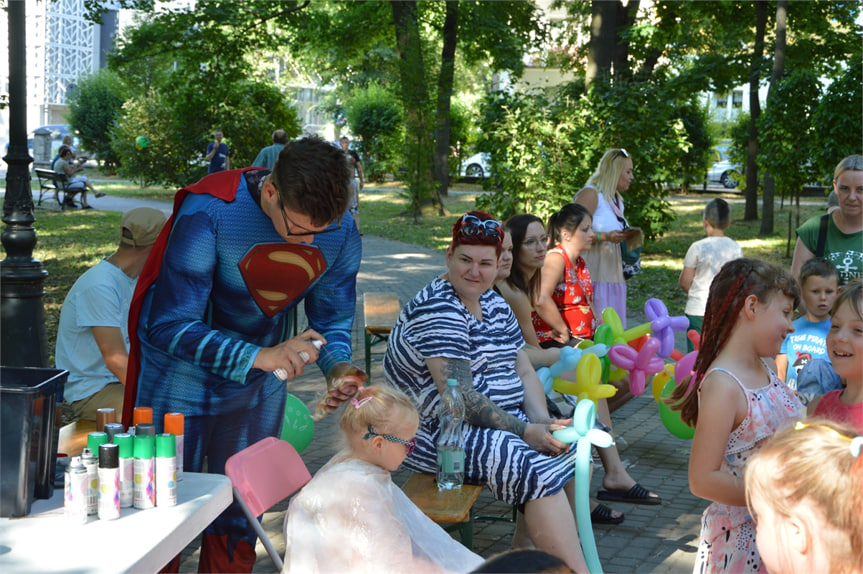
{"x":263,"y":475}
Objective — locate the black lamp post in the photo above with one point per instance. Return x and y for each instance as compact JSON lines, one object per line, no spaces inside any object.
{"x":22,"y":314}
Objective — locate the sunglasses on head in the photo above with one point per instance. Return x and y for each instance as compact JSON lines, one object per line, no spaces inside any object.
{"x":472,"y":226}
{"x":622,"y":153}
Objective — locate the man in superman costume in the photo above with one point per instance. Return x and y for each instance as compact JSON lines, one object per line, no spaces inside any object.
{"x":211,"y":315}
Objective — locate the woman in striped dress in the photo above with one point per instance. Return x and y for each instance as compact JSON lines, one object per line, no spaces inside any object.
{"x":457,"y":327}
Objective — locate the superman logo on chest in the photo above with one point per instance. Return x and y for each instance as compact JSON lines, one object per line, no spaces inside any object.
{"x":276,"y":274}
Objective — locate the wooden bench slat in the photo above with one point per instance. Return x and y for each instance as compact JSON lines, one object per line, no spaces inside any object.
{"x":380,"y":312}
{"x":73,"y":437}
{"x":446,"y":507}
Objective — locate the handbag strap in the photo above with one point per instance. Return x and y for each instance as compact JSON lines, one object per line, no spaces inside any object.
{"x":822,"y":236}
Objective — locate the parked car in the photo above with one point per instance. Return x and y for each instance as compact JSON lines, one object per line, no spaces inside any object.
{"x":477,"y":165}
{"x":723,"y":170}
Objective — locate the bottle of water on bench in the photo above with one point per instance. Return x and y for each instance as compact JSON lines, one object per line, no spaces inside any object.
{"x":450,"y":446}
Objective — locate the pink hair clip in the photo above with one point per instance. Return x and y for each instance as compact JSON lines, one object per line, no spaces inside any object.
{"x":358,"y":403}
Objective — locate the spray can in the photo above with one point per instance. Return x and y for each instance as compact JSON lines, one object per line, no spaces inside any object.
{"x":92,"y":466}
{"x":142,"y":415}
{"x":109,"y":481}
{"x":113,"y":429}
{"x":125,"y":446}
{"x":166,"y":470}
{"x":175,"y":424}
{"x":145,"y":428}
{"x":145,"y":472}
{"x":105,"y":416}
{"x":94,"y":439}
{"x":75,"y":492}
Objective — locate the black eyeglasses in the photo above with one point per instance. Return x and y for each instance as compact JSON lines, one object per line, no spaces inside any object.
{"x":289,"y":223}
{"x":410,"y":445}
{"x":473,"y":226}
{"x":622,"y":153}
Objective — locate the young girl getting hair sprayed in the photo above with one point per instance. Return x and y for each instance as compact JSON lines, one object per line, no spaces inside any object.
{"x":736,"y":402}
{"x":351,"y":517}
{"x":804,"y":489}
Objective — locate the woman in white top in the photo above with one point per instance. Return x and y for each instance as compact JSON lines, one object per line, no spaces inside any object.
{"x":601,"y":195}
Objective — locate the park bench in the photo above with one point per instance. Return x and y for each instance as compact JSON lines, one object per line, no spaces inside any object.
{"x":380,"y":311}
{"x":53,"y":182}
{"x":450,"y":508}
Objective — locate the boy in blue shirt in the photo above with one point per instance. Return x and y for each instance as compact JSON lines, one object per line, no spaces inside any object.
{"x":819,"y":285}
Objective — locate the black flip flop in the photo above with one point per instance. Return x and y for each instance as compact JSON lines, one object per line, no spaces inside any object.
{"x":635,"y":495}
{"x":603,"y":515}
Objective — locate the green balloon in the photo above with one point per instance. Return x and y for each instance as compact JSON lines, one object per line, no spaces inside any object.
{"x":670,"y":418}
{"x":142,"y":142}
{"x":298,"y":427}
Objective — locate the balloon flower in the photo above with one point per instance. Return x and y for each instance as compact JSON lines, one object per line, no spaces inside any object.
{"x":583,"y":434}
{"x":298,"y":428}
{"x":621,"y":337}
{"x":638,"y":363}
{"x":588,"y":376}
{"x":663,"y":326}
{"x":684,"y":368}
{"x":569,"y":359}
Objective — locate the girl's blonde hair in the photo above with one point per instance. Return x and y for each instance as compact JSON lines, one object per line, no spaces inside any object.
{"x":605,"y":178}
{"x":813,"y":462}
{"x":381,"y":406}
{"x":737,"y":280}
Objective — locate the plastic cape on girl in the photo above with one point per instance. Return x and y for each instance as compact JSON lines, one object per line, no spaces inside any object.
{"x":351,"y":517}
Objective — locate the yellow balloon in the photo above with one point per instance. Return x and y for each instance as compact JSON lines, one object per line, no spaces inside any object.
{"x":588,"y":373}
{"x":659,"y":380}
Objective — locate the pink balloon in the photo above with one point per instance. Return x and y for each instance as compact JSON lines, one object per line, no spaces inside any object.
{"x":684,"y":368}
{"x":638,"y":363}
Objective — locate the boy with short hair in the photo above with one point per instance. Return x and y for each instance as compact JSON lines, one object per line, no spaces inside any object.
{"x":819,"y":286}
{"x":704,"y":259}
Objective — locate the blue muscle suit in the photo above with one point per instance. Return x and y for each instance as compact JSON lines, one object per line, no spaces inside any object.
{"x":225,"y":288}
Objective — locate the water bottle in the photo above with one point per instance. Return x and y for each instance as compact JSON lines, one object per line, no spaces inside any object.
{"x":450,"y":445}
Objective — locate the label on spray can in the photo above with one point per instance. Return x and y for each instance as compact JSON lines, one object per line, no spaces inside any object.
{"x":75,"y":492}
{"x":145,"y":472}
{"x":109,"y":482}
{"x":166,"y":470}
{"x":92,"y":466}
{"x":125,"y":442}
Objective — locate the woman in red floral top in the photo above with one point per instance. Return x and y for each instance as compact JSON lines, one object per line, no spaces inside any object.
{"x":564,"y":304}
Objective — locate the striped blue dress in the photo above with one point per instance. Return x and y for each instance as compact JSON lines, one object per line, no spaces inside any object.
{"x":436,"y":324}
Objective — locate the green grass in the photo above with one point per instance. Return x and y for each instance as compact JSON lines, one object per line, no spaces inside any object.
{"x":70,"y":242}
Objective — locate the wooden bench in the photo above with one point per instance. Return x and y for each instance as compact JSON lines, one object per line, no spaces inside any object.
{"x":447,"y":507}
{"x":380,"y":311}
{"x":51,"y":181}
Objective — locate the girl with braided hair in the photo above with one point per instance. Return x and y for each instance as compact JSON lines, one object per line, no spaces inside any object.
{"x":736,"y":402}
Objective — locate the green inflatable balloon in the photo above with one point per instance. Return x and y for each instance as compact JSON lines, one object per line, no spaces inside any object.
{"x":298,"y":428}
{"x":142,"y":142}
{"x":670,"y":418}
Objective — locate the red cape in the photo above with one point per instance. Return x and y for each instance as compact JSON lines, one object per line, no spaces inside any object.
{"x":222,"y":185}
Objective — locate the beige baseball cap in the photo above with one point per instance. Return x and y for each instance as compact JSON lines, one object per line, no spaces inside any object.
{"x":141,"y":226}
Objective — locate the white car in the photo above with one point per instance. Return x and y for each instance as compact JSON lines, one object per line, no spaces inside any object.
{"x":724,"y":171}
{"x":477,"y":165}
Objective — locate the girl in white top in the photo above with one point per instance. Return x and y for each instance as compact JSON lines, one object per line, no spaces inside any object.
{"x":601,"y":195}
{"x":351,"y":517}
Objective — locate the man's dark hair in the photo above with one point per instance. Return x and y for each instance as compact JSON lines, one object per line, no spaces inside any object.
{"x":313,"y":178}
{"x":280,"y":137}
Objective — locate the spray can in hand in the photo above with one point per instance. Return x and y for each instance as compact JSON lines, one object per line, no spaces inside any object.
{"x":450,"y":444}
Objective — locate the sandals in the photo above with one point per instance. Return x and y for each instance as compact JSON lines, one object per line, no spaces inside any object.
{"x":603,"y":515}
{"x":635,"y":495}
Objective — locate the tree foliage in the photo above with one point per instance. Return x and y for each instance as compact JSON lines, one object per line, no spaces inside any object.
{"x":838,"y":122}
{"x":375,"y":116}
{"x":94,"y":106}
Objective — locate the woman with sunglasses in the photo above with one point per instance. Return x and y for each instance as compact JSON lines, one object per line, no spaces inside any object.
{"x":601,"y":195}
{"x":328,"y":523}
{"x":457,"y":327}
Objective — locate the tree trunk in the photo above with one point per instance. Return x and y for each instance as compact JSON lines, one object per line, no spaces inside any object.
{"x":624,"y":20}
{"x":775,"y":78}
{"x":750,"y":212}
{"x":415,"y":99}
{"x":603,"y":38}
{"x":444,"y":95}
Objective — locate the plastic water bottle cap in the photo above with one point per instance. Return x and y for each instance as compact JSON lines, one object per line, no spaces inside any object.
{"x":451,"y":383}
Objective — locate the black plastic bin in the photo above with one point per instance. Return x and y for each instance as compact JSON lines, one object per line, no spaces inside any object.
{"x":28,"y":435}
